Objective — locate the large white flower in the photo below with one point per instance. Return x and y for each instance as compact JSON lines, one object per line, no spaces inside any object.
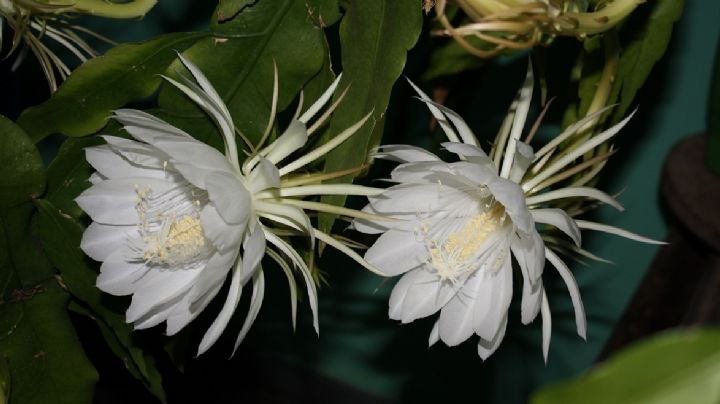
{"x":172,"y":216}
{"x":459,"y":225}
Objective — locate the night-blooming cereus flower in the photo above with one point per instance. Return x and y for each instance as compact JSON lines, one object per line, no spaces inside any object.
{"x":460,"y":225}
{"x":173,"y":217}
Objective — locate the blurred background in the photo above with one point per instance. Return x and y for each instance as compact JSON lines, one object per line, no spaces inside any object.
{"x":361,"y":355}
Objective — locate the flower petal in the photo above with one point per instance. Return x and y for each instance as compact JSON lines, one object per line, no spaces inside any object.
{"x":567,"y":276}
{"x":231,"y":301}
{"x":396,"y":252}
{"x":487,"y":320}
{"x":404,"y":153}
{"x":488,"y":347}
{"x":231,"y":199}
{"x":101,"y":240}
{"x":529,"y":251}
{"x":222,"y":235}
{"x":456,"y":318}
{"x":423,"y":294}
{"x":559,"y":219}
{"x":294,"y":137}
{"x":256,"y":300}
{"x":112,"y":165}
{"x":113,"y":201}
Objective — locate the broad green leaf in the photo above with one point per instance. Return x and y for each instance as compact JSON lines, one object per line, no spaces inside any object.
{"x":83,"y":103}
{"x":374,"y":38}
{"x":60,"y":235}
{"x":324,"y":12}
{"x":643,"y":45}
{"x":47,"y":363}
{"x":239,"y":63}
{"x":676,"y":367}
{"x":228,"y":9}
{"x":67,"y":175}
{"x":22,"y":177}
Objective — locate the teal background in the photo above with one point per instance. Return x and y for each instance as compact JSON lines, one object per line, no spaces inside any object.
{"x":360,"y":346}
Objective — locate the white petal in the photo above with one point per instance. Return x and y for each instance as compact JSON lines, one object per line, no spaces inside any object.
{"x":256,"y":300}
{"x":417,"y":172}
{"x":215,"y":271}
{"x":585,"y":225}
{"x":265,"y":175}
{"x":416,"y":199}
{"x":511,"y":196}
{"x":194,"y":159}
{"x":424,"y":294}
{"x":546,"y":325}
{"x":113,"y":201}
{"x":524,"y":97}
{"x":488,"y":347}
{"x":437,"y":114}
{"x":396,"y":252}
{"x":112,"y":165}
{"x":574,"y":192}
{"x":230,"y":197}
{"x":253,"y":252}
{"x":223,"y":236}
{"x":473,"y":154}
{"x":487,"y":321}
{"x":137,"y":153}
{"x":100,"y":240}
{"x":185,"y":311}
{"x":567,"y":276}
{"x":158,"y":286}
{"x":531,"y":299}
{"x":294,"y":137}
{"x":404,"y":153}
{"x":529,"y":251}
{"x":523,"y":158}
{"x":118,"y":276}
{"x":434,"y":334}
{"x":559,"y":219}
{"x":368,"y":226}
{"x":231,"y":301}
{"x":456,"y":318}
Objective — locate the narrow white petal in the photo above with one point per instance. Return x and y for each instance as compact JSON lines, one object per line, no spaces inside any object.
{"x":404,"y":154}
{"x":471,"y":153}
{"x":396,"y":252}
{"x":523,"y":106}
{"x":258,"y":293}
{"x":529,"y":251}
{"x":437,"y":114}
{"x":253,"y":252}
{"x":231,"y":301}
{"x":294,"y":137}
{"x":567,"y":276}
{"x":295,"y":215}
{"x":325,"y":148}
{"x":576,"y":153}
{"x":559,"y":219}
{"x":214,"y":272}
{"x":488,"y":325}
{"x":292,"y":284}
{"x":521,"y":162}
{"x":326,"y":238}
{"x":317,"y":105}
{"x":463,"y":130}
{"x":574,"y":192}
{"x":546,"y":325}
{"x":297,"y":260}
{"x":434,"y":334}
{"x":584,"y":224}
{"x":512,"y":198}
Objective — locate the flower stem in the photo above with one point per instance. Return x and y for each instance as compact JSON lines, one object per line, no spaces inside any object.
{"x":133,"y":9}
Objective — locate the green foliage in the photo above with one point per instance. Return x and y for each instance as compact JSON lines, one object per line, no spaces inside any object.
{"x":374,"y":39}
{"x":677,"y":367}
{"x":643,"y":46}
{"x":45,"y":360}
{"x":60,"y":235}
{"x":83,"y":103}
{"x":240,"y":66}
{"x":67,"y":175}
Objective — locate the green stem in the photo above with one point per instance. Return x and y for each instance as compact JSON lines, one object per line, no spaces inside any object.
{"x":601,"y":20}
{"x":103,"y":8}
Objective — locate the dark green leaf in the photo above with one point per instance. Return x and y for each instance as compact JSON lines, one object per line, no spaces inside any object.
{"x":67,"y":175}
{"x":83,"y":103}
{"x":451,"y":58}
{"x":677,"y":367}
{"x":643,"y":46}
{"x":374,"y":37}
{"x":60,"y":235}
{"x":4,"y":380}
{"x":227,"y":9}
{"x":240,"y":66}
{"x":22,"y":177}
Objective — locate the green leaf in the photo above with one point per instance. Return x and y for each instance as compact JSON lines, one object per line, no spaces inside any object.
{"x":374,"y":38}
{"x":450,"y":59}
{"x":676,"y":367}
{"x":47,"y":363}
{"x":227,"y":9}
{"x":83,"y":103}
{"x":643,"y":45}
{"x":240,"y":66}
{"x":67,"y":175}
{"x":22,"y":177}
{"x":61,"y":235}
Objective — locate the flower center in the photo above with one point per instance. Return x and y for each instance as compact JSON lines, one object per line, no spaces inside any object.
{"x":455,"y":254}
{"x":170,"y":226}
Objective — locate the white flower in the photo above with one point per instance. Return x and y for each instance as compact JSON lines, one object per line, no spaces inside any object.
{"x":172,"y":216}
{"x":459,"y":225}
